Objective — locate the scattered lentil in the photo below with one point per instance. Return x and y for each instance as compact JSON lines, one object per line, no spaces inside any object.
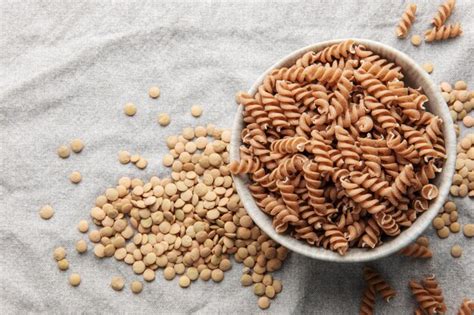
{"x":46,"y":212}
{"x":428,"y":67}
{"x":75,"y":177}
{"x":264,"y":302}
{"x":124,"y":157}
{"x":184,"y":281}
{"x":77,"y":145}
{"x":443,"y":232}
{"x":75,"y":279}
{"x":196,"y":111}
{"x":63,"y":152}
{"x":63,"y":264}
{"x":164,"y":119}
{"x":154,"y":92}
{"x":130,"y":109}
{"x":416,"y":40}
{"x":438,"y":223}
{"x":117,"y":283}
{"x":456,"y":251}
{"x":81,"y":246}
{"x":83,"y":226}
{"x":455,"y":227}
{"x":468,"y":230}
{"x":59,"y":253}
{"x":136,"y":287}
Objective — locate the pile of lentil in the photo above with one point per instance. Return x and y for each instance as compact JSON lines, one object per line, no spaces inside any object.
{"x":189,"y":225}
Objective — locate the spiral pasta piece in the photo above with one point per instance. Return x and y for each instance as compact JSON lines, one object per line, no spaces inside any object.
{"x":425,"y":300}
{"x":387,"y":224}
{"x":289,"y":167}
{"x":321,"y":150}
{"x":408,"y":17}
{"x":287,"y":192}
{"x":336,"y":51}
{"x":368,"y":301}
{"x":313,"y":184}
{"x":282,"y":216}
{"x":371,"y":236}
{"x":443,"y":32}
{"x":254,"y":109}
{"x":287,"y":102}
{"x":354,"y":230}
{"x":289,"y":145}
{"x":432,"y":286}
{"x":346,"y":144}
{"x":466,"y":308}
{"x":380,"y":113}
{"x":361,"y":196}
{"x":337,"y":240}
{"x":245,"y":166}
{"x":324,"y":74}
{"x":407,"y":153}
{"x":402,"y":182}
{"x":421,"y":143}
{"x":373,"y":278}
{"x":443,"y":13}
{"x":375,"y":87}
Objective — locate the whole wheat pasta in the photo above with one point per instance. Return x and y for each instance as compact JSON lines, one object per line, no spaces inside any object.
{"x":425,"y":300}
{"x":443,"y":32}
{"x":374,"y":279}
{"x":466,"y":308}
{"x":368,"y":301}
{"x":408,"y":17}
{"x":443,"y":13}
{"x":432,"y":286}
{"x":417,"y":251}
{"x":343,"y":149}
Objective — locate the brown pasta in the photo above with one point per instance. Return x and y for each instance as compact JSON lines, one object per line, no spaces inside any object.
{"x":374,"y":279}
{"x":342,"y":148}
{"x":443,"y":13}
{"x":425,"y":300}
{"x":444,"y":32}
{"x":368,"y":301}
{"x":416,"y":251}
{"x":431,"y":285}
{"x":408,"y":17}
{"x":466,"y":308}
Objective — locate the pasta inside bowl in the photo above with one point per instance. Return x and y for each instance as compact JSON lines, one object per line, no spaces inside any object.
{"x":414,"y":77}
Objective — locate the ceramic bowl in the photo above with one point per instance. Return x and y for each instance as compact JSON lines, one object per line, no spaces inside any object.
{"x":415,"y":76}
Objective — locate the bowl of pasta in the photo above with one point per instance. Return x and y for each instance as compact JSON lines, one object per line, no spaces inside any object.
{"x":343,"y":151}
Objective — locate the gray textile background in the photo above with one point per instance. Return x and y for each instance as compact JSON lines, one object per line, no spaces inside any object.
{"x":67,"y":68}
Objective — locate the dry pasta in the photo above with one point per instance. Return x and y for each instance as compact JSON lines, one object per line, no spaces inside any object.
{"x":408,"y":17}
{"x":424,"y":298}
{"x":368,"y":301}
{"x":431,"y":285}
{"x":466,"y":308}
{"x":374,"y":279}
{"x":443,"y":32}
{"x":416,"y":250}
{"x":443,"y":13}
{"x":339,"y":151}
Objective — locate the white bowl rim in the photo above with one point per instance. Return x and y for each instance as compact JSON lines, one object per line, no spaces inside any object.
{"x":408,"y":235}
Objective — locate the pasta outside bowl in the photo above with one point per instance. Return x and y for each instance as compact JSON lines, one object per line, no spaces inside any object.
{"x":415,"y":76}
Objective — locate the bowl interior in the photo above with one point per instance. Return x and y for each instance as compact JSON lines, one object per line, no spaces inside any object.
{"x":415,"y":76}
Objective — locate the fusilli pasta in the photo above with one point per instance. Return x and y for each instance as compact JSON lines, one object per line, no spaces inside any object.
{"x":374,"y":279}
{"x":425,"y":300}
{"x":443,"y":32}
{"x":408,"y":17}
{"x":467,"y":307}
{"x":443,"y":13}
{"x":343,"y":149}
{"x":417,"y":251}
